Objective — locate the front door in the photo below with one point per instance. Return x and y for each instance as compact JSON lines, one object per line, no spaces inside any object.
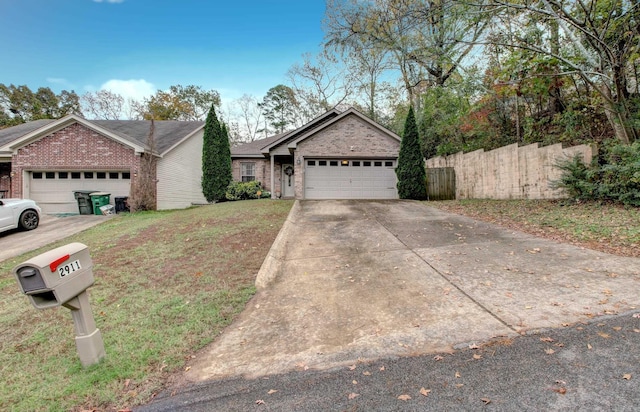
{"x":288,"y":181}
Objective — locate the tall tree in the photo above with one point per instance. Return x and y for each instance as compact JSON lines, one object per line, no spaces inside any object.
{"x":280,"y":107}
{"x":412,"y":180}
{"x":143,"y":193}
{"x":216,"y":159}
{"x":601,"y":40}
{"x":179,"y":103}
{"x":18,"y":104}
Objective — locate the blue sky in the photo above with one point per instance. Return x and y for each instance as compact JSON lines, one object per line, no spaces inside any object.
{"x":137,"y":46}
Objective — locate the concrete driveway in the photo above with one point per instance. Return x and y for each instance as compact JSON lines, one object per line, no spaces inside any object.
{"x":347,"y":281}
{"x":51,"y":228}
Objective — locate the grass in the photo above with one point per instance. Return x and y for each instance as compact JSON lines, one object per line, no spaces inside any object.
{"x":167,"y":283}
{"x":606,"y":227}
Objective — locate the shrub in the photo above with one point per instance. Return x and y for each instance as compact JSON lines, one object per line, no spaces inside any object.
{"x":616,"y":178}
{"x":245,"y":190}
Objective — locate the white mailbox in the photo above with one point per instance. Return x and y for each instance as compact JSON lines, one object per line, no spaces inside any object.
{"x":57,"y":276}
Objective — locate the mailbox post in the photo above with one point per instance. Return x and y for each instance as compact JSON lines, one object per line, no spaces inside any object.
{"x":61,"y":277}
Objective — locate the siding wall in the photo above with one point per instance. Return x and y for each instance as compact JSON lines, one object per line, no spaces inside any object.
{"x":179,"y":175}
{"x":350,"y":137}
{"x":510,"y":172}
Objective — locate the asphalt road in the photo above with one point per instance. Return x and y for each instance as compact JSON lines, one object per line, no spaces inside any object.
{"x":583,"y":367}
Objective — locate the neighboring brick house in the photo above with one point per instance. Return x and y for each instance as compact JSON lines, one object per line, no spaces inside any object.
{"x":47,"y":160}
{"x":335,"y":156}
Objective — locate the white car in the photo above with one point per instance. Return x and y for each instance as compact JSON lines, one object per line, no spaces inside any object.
{"x":22,"y":213}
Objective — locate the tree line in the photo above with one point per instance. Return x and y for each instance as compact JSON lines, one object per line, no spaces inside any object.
{"x":477,"y":73}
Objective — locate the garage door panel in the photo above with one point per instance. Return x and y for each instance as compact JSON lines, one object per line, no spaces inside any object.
{"x":359,"y":179}
{"x":53,"y":191}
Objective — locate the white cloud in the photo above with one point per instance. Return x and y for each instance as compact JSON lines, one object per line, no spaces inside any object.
{"x":135,"y":89}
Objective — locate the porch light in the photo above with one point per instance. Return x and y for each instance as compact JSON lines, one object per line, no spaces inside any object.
{"x":12,"y":174}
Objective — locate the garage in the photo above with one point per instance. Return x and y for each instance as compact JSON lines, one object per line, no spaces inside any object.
{"x":53,"y":190}
{"x":350,"y":179}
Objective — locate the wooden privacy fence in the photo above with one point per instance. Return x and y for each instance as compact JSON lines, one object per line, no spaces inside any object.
{"x":509,"y":172}
{"x":441,"y":183}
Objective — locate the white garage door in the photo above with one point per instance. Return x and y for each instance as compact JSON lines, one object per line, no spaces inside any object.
{"x":350,"y":179}
{"x":53,"y":191}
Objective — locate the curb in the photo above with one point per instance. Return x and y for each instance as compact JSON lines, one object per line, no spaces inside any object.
{"x":275,"y":258}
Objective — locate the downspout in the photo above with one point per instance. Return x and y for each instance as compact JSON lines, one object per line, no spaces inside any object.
{"x":273,"y":182}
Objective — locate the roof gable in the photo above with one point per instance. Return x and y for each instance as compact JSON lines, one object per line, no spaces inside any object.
{"x":350,"y":112}
{"x":131,"y":133}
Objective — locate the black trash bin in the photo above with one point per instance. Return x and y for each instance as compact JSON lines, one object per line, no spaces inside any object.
{"x":85,"y":207}
{"x":121,"y":203}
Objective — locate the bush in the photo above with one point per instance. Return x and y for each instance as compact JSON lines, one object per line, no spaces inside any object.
{"x":616,"y":179}
{"x":246,"y":190}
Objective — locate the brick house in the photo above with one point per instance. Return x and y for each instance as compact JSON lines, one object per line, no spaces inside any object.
{"x":339,"y":155}
{"x":47,"y":160}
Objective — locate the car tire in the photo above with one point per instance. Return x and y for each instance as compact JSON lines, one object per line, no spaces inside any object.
{"x":29,"y":220}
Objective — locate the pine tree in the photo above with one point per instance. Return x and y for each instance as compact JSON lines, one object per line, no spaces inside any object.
{"x":412,"y":179}
{"x":216,"y":159}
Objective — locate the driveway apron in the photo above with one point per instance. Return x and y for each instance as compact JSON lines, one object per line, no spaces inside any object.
{"x":349,"y":281}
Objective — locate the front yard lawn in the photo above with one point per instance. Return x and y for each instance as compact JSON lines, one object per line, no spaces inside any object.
{"x":606,"y":227}
{"x":167,"y":283}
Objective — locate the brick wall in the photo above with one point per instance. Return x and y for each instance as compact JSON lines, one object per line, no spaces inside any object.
{"x":349,"y":137}
{"x":262,"y":170}
{"x":510,"y":172}
{"x":74,"y":147}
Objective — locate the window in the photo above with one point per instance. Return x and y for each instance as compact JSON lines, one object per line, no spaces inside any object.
{"x":388,"y":164}
{"x":126,"y":175}
{"x":322,"y":163}
{"x":63,"y":175}
{"x":50,"y":175}
{"x":37,"y":175}
{"x":366,"y":163}
{"x":355,"y":163}
{"x":88,"y":175}
{"x":113,"y":175}
{"x":333,"y":163}
{"x":248,"y":171}
{"x":101,"y":175}
{"x":377,"y":164}
{"x":311,"y":163}
{"x":75,"y":175}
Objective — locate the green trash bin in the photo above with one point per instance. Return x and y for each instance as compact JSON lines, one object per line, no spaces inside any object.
{"x":84,"y":201}
{"x":99,"y":199}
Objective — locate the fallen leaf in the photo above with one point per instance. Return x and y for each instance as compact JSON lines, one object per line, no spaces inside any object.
{"x":546,"y":339}
{"x":459,"y":385}
{"x":589,"y":346}
{"x":636,"y":315}
{"x":404,"y":397}
{"x":561,"y":391}
{"x":126,"y":383}
{"x":381,"y":368}
{"x":366,"y":373}
{"x":626,"y":376}
{"x":437,"y":358}
{"x":617,"y":328}
{"x":353,"y":395}
{"x":549,"y":351}
{"x":486,"y":401}
{"x":355,"y":382}
{"x":604,"y":335}
{"x":457,"y":374}
{"x":424,"y":392}
{"x":259,"y":402}
{"x":272,"y":391}
{"x":352,"y":367}
{"x":187,"y":368}
{"x":636,"y":330}
{"x":476,"y":356}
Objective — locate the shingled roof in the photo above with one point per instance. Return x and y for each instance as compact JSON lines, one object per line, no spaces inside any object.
{"x":167,"y":132}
